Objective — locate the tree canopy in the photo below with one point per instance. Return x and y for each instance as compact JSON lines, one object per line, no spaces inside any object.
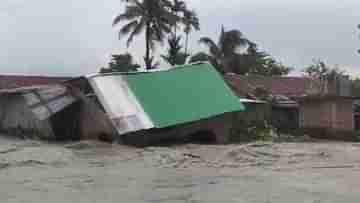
{"x":121,"y":63}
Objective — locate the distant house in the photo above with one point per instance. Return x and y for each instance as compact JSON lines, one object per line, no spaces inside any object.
{"x":302,"y":102}
{"x":283,"y":92}
{"x":146,"y":107}
{"x":16,"y":81}
{"x":331,"y":113}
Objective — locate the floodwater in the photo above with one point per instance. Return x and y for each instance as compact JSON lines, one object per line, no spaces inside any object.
{"x":32,"y":171}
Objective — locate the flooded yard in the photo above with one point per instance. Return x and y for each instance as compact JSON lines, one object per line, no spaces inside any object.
{"x":33,"y":171}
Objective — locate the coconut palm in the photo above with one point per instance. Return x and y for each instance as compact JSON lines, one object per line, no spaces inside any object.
{"x":176,"y":7}
{"x":152,"y":16}
{"x":186,"y":19}
{"x":191,"y":22}
{"x":121,"y":63}
{"x":224,"y":54}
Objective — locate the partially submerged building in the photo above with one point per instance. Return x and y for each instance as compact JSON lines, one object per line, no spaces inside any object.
{"x":145,"y":107}
{"x":54,"y":112}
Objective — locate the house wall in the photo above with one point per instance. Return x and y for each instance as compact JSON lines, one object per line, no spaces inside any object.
{"x":16,"y":117}
{"x":94,"y":123}
{"x":285,"y":118}
{"x":256,"y":112}
{"x":336,"y":114}
{"x":345,"y":115}
{"x":315,"y":114}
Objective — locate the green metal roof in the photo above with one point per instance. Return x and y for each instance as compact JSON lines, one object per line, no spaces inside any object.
{"x":184,"y":94}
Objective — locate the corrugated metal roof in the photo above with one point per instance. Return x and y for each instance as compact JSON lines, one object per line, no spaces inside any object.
{"x":45,"y":100}
{"x":161,"y":99}
{"x":252,"y":101}
{"x":15,"y":81}
{"x":120,"y":103}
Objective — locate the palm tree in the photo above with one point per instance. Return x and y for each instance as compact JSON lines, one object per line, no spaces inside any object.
{"x":177,"y":6}
{"x":224,"y":54}
{"x":191,"y":21}
{"x":121,"y":63}
{"x":153,"y":16}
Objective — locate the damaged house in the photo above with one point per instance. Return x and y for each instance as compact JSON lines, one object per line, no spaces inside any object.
{"x":191,"y":101}
{"x":54,"y":112}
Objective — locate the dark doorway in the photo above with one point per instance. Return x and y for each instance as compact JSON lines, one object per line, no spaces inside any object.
{"x":65,"y":124}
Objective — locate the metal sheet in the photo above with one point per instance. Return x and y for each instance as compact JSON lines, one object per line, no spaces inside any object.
{"x":120,"y":104}
{"x":60,"y":103}
{"x":46,"y":101}
{"x":49,"y":93}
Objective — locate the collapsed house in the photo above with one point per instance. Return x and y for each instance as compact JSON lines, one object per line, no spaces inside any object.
{"x":53,"y":112}
{"x":145,"y":107}
{"x":300,"y":102}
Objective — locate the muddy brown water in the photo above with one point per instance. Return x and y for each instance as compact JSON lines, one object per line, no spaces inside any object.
{"x":32,"y":171}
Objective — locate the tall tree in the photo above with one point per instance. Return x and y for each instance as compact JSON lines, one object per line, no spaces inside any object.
{"x":322,"y":73}
{"x":153,"y":16}
{"x":121,"y":63}
{"x":177,"y":7}
{"x":191,"y":22}
{"x":224,"y":54}
{"x":261,"y":63}
{"x":186,"y":19}
{"x":174,"y":55}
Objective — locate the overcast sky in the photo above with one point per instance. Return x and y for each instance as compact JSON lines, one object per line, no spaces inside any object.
{"x":73,"y":37}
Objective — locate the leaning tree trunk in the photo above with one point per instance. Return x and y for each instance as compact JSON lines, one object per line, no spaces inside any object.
{"x":147,"y":54}
{"x":186,"y":43}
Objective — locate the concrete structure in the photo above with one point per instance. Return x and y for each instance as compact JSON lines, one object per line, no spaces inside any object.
{"x":333,"y":113}
{"x":307,"y":103}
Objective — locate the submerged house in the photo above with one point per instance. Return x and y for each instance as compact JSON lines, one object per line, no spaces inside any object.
{"x":144,"y":107}
{"x":55,"y":112}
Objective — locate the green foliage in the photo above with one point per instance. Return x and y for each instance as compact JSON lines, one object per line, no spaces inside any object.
{"x":261,"y":63}
{"x":248,"y":131}
{"x":174,"y":54}
{"x":199,"y":57}
{"x":224,"y":54}
{"x":121,"y":63}
{"x":189,"y":21}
